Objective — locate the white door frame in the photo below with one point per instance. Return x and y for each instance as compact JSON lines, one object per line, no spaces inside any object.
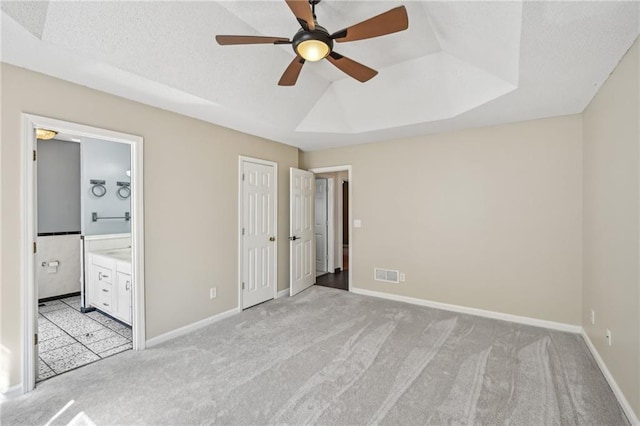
{"x":349,"y":169}
{"x":241,"y":160}
{"x":29,"y":124}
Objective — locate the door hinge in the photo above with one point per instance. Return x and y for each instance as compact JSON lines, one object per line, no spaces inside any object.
{"x":35,"y":248}
{"x":35,"y":340}
{"x":35,"y":155}
{"x":243,"y":176}
{"x":242,"y":231}
{"x":243,"y":286}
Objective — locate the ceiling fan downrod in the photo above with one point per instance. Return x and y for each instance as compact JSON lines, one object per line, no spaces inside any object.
{"x":313,"y":8}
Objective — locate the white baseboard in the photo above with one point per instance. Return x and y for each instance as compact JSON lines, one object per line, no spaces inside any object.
{"x":283,"y":293}
{"x":191,"y":327}
{"x":10,"y":393}
{"x":473,"y":311}
{"x":633,"y":419}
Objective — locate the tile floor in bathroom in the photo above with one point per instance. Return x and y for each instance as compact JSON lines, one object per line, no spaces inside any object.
{"x":69,"y":339}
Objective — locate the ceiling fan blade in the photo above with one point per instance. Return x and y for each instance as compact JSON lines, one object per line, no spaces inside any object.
{"x":290,"y":75}
{"x":389,"y":22}
{"x":352,"y":68}
{"x":225,"y":40}
{"x":302,"y":11}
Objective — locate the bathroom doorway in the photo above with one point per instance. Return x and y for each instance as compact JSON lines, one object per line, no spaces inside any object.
{"x":84,"y":282}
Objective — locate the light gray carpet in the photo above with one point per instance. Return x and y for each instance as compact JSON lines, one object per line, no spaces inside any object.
{"x":334,"y":358}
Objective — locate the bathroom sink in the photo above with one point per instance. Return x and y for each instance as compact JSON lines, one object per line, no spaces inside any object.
{"x":123,"y":255}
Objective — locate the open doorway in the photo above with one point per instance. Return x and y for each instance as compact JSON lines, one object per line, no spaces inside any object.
{"x":335,"y":241}
{"x":84,"y":284}
{"x":83,"y":265}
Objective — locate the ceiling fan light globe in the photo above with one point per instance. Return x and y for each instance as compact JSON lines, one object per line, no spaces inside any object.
{"x":313,"y":50}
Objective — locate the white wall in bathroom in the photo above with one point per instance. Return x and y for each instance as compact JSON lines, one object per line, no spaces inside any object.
{"x":106,"y":161}
{"x":65,"y":278}
{"x":58,"y":186}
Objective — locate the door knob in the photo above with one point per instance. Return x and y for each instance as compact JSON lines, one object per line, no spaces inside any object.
{"x":294,"y":238}
{"x":272,"y":238}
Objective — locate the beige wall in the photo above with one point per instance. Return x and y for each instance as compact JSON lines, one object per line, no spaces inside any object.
{"x":611,"y":229}
{"x":487,"y":218}
{"x":190,"y":200}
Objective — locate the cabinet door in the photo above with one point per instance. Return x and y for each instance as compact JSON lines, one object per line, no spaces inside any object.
{"x":101,"y":288}
{"x":100,"y":279}
{"x":123,"y":306}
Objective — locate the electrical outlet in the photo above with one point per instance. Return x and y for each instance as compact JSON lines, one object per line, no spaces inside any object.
{"x":593,"y":317}
{"x":213,"y":292}
{"x":402,"y":277}
{"x":608,"y":337}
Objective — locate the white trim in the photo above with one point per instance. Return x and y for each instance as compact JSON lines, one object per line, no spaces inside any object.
{"x":191,"y":327}
{"x":283,"y":293}
{"x":473,"y":311}
{"x":28,"y":190}
{"x":12,"y":392}
{"x":626,"y":407}
{"x":241,"y":160}
{"x":349,"y":169}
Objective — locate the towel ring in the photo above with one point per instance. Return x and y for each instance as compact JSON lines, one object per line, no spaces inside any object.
{"x":98,"y":189}
{"x":124,"y":192}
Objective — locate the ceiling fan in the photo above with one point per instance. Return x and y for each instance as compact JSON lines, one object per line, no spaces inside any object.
{"x":313,"y":42}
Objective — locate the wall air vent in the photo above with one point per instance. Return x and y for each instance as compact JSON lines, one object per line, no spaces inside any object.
{"x":386,"y":275}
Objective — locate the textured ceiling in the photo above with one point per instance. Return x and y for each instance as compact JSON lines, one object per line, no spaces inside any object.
{"x":459,"y":65}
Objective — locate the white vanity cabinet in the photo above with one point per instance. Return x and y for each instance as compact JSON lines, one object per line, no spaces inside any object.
{"x":104,"y":287}
{"x":110,"y":284}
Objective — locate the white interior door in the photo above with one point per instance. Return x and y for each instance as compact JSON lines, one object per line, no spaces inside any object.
{"x":258,"y":233}
{"x":301,"y":236}
{"x":321,"y":224}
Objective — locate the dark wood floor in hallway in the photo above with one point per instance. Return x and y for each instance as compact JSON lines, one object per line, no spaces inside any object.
{"x":339,"y":280}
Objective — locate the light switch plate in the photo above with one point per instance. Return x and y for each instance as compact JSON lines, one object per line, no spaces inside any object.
{"x":357,"y":223}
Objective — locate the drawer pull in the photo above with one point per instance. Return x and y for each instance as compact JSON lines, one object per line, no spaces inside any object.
{"x":105,"y":290}
{"x":105,"y":304}
{"x":101,"y":275}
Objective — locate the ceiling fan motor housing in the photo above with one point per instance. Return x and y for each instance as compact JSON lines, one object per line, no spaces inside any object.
{"x":319,"y":33}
